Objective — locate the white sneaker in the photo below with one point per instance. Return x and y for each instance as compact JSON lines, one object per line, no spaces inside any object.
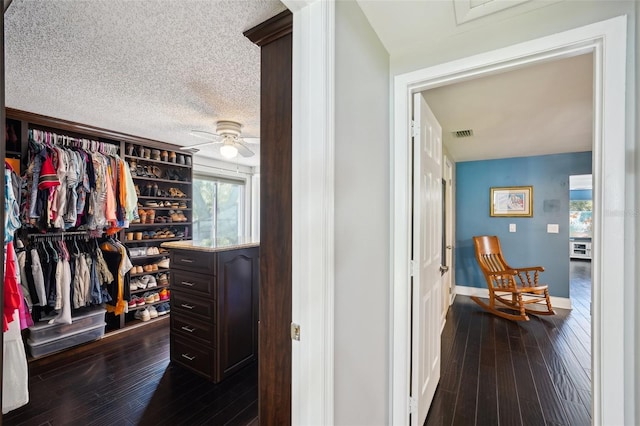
{"x":153,"y":313}
{"x":143,"y":314}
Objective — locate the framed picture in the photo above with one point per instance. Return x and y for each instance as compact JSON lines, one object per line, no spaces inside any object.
{"x":512,"y":201}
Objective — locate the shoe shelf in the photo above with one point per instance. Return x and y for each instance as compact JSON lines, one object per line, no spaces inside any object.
{"x":165,"y":270}
{"x":150,"y":256}
{"x":136,"y":322}
{"x":156,"y":179}
{"x":144,"y":290}
{"x":155,"y":240}
{"x":157,"y":224}
{"x":159,"y":162}
{"x":150,"y":197}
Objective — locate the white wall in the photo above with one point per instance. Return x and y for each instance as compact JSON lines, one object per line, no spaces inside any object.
{"x":361,"y":222}
{"x":496,"y":32}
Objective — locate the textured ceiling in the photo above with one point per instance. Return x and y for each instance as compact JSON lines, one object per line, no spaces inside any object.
{"x":541,"y":109}
{"x":156,"y":69}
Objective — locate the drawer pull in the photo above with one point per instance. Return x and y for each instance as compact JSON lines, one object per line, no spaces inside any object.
{"x":186,"y":306}
{"x":190,"y":358}
{"x":186,"y":260}
{"x":188,"y":329}
{"x":187,"y":283}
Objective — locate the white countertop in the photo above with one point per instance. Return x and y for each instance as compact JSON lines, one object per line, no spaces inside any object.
{"x":212,"y":246}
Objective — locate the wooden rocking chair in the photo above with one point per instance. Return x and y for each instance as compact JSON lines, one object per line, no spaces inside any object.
{"x":516,"y":288}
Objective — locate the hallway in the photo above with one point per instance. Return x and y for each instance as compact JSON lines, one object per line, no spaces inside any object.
{"x":499,"y":372}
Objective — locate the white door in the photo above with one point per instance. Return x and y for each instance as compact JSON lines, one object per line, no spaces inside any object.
{"x":448,"y":290}
{"x":427,"y":243}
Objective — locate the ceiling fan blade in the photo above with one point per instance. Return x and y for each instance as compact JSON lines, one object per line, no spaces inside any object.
{"x":198,"y":145}
{"x":243,"y":149}
{"x":251,"y":140}
{"x":205,"y":135}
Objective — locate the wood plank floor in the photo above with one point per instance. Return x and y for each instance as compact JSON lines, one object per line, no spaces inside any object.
{"x":127,"y":379}
{"x":498,"y":372}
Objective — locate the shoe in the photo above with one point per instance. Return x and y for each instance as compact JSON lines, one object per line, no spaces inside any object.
{"x":187,"y":160}
{"x":155,"y":154}
{"x":162,"y":281}
{"x":151,"y":282}
{"x":164,"y":294}
{"x":153,"y":313}
{"x":133,"y":302}
{"x":164,"y":156}
{"x":142,"y":315}
{"x":172,"y":157}
{"x":139,"y":301}
{"x":149,"y":298}
{"x":175,"y":192}
{"x":162,"y":309}
{"x":156,"y":296}
{"x":164,"y":263}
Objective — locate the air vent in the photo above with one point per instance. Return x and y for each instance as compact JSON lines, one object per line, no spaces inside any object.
{"x":463,"y":133}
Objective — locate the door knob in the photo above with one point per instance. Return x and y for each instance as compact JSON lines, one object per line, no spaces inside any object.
{"x":443,"y":269}
{"x":449,"y":247}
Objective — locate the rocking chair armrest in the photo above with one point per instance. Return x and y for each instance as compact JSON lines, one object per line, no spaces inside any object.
{"x":530,"y":268}
{"x":503,"y":272}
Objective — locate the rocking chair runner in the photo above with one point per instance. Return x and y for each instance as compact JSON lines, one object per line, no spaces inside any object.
{"x":516,"y":288}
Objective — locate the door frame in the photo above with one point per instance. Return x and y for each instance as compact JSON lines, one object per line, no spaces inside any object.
{"x":313,"y":251}
{"x":608,"y":361}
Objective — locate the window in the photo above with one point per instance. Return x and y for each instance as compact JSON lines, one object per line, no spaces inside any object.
{"x":218,"y":209}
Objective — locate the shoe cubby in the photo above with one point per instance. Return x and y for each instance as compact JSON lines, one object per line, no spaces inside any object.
{"x":162,"y":175}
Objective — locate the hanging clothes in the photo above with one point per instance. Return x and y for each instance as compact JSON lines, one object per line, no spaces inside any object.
{"x":15,"y":378}
{"x":76,"y":183}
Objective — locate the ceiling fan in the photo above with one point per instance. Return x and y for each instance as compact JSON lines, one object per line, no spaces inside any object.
{"x":228,"y":137}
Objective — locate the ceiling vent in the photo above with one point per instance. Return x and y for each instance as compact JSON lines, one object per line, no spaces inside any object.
{"x":463,"y":133}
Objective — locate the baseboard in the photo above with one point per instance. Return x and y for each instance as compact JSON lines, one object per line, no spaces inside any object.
{"x":556,"y":302}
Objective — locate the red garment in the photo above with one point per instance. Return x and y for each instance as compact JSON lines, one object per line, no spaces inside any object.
{"x":12,"y":299}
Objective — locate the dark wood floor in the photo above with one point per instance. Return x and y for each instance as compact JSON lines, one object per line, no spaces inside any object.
{"x":498,"y":372}
{"x":127,"y":380}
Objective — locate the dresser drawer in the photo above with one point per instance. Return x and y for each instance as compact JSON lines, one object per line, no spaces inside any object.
{"x":189,"y":306}
{"x":193,"y":261}
{"x":189,"y":281}
{"x":195,"y":357}
{"x":186,"y":326}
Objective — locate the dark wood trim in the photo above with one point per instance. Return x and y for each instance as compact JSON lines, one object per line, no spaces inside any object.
{"x":274,"y":341}
{"x":78,"y":129}
{"x":272,"y":29}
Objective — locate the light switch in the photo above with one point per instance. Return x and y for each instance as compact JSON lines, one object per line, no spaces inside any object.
{"x":512,"y":227}
{"x":553,"y":228}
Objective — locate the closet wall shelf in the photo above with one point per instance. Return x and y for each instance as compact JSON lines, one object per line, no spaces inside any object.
{"x":155,"y":179}
{"x":161,"y":208}
{"x":154,"y":240}
{"x":158,"y":224}
{"x":147,"y":197}
{"x":147,"y":304}
{"x":150,"y":256}
{"x":160,"y":270}
{"x":144,"y":290}
{"x":149,"y":160}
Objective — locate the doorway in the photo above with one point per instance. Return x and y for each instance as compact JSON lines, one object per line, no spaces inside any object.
{"x":609,"y":117}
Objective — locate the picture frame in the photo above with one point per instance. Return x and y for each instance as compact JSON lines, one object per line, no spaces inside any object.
{"x":511,"y":201}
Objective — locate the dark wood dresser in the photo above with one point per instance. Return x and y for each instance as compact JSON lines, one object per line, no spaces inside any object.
{"x":214,"y":307}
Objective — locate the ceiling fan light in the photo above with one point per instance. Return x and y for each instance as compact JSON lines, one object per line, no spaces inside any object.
{"x":228,"y":151}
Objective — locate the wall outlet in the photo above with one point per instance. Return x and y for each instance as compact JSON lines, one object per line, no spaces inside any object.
{"x":553,"y":228}
{"x":512,"y":227}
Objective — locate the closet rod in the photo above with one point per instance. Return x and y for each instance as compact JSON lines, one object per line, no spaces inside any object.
{"x":63,"y":235}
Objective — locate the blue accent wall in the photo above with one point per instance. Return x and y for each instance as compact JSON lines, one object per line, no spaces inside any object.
{"x":530,"y":245}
